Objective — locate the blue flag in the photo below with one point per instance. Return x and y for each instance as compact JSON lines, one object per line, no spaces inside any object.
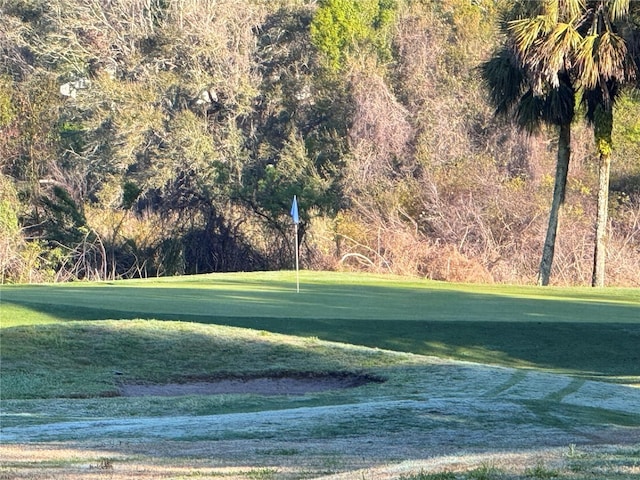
{"x":294,"y":211}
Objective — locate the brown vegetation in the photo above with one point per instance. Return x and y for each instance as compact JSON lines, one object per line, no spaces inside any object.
{"x":198,"y":121}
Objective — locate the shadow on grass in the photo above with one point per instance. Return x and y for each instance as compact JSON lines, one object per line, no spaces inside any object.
{"x":591,"y":350}
{"x":87,"y":358}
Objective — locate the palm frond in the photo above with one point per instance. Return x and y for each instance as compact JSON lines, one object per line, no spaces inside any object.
{"x":612,"y":56}
{"x":557,"y":51}
{"x":556,"y":106}
{"x":559,"y":108}
{"x":527,"y":31}
{"x":595,"y":99}
{"x":529,"y":112}
{"x":618,"y":9}
{"x":588,"y":74}
{"x":604,"y":57}
{"x":572,"y":8}
{"x":551,"y":10}
{"x":504,"y":79}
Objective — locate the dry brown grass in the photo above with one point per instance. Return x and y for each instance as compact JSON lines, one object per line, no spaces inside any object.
{"x":272,"y":459}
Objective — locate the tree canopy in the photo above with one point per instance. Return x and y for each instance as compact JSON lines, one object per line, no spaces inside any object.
{"x":156,"y":137}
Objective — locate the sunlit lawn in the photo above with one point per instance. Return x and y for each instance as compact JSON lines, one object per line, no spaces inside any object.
{"x":590,"y":332}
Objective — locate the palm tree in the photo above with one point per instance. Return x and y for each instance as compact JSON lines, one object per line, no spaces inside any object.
{"x":587,"y":40}
{"x":606,"y":65}
{"x":517,"y":90}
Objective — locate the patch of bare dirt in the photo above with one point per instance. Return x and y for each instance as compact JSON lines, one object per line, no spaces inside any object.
{"x":285,"y":385}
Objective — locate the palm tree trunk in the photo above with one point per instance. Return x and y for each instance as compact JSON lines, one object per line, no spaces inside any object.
{"x":559,"y":190}
{"x":600,"y":253}
{"x":602,"y":128}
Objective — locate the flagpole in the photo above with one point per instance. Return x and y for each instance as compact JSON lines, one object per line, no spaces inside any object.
{"x":297,"y":263}
{"x":296,"y":220}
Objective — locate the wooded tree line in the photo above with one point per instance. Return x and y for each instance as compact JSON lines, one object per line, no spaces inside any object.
{"x":161,"y":137}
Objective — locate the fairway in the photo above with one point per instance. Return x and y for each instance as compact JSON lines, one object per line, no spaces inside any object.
{"x":574,"y":330}
{"x":486,"y":371}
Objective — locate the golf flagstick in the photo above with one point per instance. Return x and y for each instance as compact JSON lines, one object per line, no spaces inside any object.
{"x":296,"y":221}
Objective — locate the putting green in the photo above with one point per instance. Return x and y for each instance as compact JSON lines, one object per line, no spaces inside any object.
{"x":323,"y":295}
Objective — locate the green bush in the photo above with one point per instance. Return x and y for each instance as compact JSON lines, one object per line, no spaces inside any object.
{"x":344,"y":26}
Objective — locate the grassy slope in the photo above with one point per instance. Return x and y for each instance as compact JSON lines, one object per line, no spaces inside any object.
{"x":582,"y":331}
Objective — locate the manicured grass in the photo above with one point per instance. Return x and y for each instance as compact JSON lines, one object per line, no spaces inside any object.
{"x":324,"y":296}
{"x":588,"y":332}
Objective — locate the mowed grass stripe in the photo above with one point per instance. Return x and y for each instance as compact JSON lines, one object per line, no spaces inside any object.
{"x":325,"y":296}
